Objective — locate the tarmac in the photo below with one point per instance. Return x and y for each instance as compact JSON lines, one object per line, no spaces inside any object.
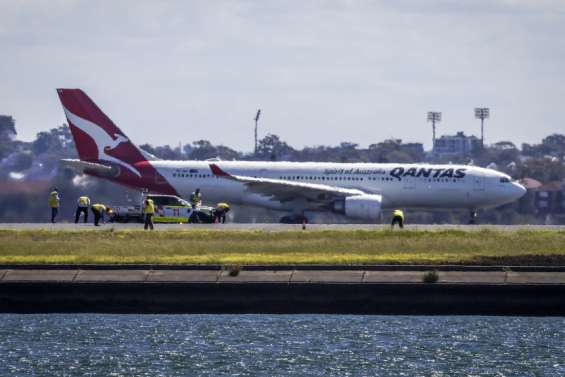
{"x":270,"y":226}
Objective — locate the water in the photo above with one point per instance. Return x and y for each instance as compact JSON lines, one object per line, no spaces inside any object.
{"x":265,"y":345}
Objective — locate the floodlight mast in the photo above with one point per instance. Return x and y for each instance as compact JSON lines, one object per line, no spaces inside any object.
{"x":482,"y":113}
{"x":434,"y":116}
{"x":256,"y":122}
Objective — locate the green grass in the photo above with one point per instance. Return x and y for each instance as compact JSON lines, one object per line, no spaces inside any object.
{"x":240,"y":247}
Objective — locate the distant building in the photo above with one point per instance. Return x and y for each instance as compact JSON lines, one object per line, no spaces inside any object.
{"x":456,"y":145}
{"x":549,"y":198}
{"x":414,"y":149}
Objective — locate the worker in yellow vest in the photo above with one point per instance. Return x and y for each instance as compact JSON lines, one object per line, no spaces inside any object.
{"x":54,"y":202}
{"x":148,"y":211}
{"x":196,"y":198}
{"x":98,"y":210}
{"x":220,"y":212}
{"x":397,"y":218}
{"x":82,"y":207}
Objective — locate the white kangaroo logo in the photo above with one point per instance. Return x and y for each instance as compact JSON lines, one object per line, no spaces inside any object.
{"x":104,"y":142}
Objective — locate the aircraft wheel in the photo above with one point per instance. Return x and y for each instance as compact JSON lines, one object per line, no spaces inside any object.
{"x":293,"y":219}
{"x":473,"y":217}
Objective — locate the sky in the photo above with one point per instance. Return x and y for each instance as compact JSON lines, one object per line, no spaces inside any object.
{"x":322,"y":72}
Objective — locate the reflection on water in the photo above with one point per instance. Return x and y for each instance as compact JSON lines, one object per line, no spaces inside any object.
{"x":264,"y":345}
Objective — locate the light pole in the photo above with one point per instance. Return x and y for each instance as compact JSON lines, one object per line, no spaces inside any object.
{"x":256,"y":122}
{"x":434,"y":116}
{"x":482,"y":113}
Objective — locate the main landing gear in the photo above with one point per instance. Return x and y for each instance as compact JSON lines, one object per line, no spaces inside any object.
{"x":294,"y":219}
{"x":473,"y":216}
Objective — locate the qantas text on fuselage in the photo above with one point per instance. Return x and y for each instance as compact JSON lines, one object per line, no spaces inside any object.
{"x":357,"y":190}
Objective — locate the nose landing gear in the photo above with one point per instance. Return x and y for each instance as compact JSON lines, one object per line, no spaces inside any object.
{"x":473,"y":216}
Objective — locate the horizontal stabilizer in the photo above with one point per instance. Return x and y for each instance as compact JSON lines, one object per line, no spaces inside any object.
{"x":90,"y":167}
{"x":149,"y":156}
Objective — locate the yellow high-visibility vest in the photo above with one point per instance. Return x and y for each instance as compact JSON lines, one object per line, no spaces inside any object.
{"x":398,"y":213}
{"x":149,"y":208}
{"x":196,"y":199}
{"x":54,"y":199}
{"x":99,"y":207}
{"x":83,"y":201}
{"x":222,"y":206}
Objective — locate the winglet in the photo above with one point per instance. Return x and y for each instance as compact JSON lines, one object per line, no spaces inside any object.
{"x":217,"y":171}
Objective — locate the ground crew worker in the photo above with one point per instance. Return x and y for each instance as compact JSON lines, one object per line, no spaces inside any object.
{"x":98,"y":210}
{"x":196,"y":198}
{"x":397,"y":218}
{"x":148,"y":211}
{"x":82,"y":207}
{"x":54,"y":202}
{"x":220,"y":212}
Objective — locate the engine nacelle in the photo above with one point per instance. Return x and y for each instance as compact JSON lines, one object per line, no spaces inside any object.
{"x":366,"y":207}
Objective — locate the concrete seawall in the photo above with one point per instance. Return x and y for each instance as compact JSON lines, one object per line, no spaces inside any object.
{"x":372,"y":290}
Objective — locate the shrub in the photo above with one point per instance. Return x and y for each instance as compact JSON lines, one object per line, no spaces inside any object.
{"x":234,"y":270}
{"x":431,"y":277}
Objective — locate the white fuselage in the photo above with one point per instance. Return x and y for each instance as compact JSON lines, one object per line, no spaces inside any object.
{"x":401,"y":185}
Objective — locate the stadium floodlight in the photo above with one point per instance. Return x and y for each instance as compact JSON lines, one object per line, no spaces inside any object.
{"x":482,"y":113}
{"x":256,"y":122}
{"x":434,"y":117}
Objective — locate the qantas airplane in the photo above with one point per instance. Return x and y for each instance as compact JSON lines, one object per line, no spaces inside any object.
{"x":356,"y":190}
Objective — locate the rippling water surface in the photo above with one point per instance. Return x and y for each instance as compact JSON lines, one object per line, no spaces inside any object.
{"x":265,"y":345}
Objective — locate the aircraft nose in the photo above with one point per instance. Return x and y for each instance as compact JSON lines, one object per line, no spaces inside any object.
{"x":519,"y":190}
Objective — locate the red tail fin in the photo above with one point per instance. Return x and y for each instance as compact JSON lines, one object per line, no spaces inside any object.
{"x":96,"y":137}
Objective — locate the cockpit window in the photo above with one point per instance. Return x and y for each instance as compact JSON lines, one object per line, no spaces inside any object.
{"x":504,"y":180}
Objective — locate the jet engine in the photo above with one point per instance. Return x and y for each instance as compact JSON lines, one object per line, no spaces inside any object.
{"x":366,"y":207}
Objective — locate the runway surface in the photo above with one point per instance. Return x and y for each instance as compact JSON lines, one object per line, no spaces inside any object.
{"x":271,"y":227}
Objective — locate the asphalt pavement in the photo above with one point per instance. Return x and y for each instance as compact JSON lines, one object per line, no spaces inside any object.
{"x":271,"y":226}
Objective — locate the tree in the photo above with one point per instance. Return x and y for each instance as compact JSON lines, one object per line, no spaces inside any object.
{"x":271,"y":147}
{"x":501,"y":153}
{"x":57,"y":140}
{"x":555,"y":144}
{"x":385,"y":151}
{"x":167,"y":153}
{"x":7,"y":135}
{"x":226,"y":153}
{"x":7,"y":127}
{"x":542,"y":169}
{"x":348,"y":152}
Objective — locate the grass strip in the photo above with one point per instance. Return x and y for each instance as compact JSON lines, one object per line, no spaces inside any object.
{"x":196,"y":246}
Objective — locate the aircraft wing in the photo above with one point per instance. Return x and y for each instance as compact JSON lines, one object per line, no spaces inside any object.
{"x":285,"y":191}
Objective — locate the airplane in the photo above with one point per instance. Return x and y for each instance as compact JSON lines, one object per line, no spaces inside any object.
{"x":355,"y":190}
